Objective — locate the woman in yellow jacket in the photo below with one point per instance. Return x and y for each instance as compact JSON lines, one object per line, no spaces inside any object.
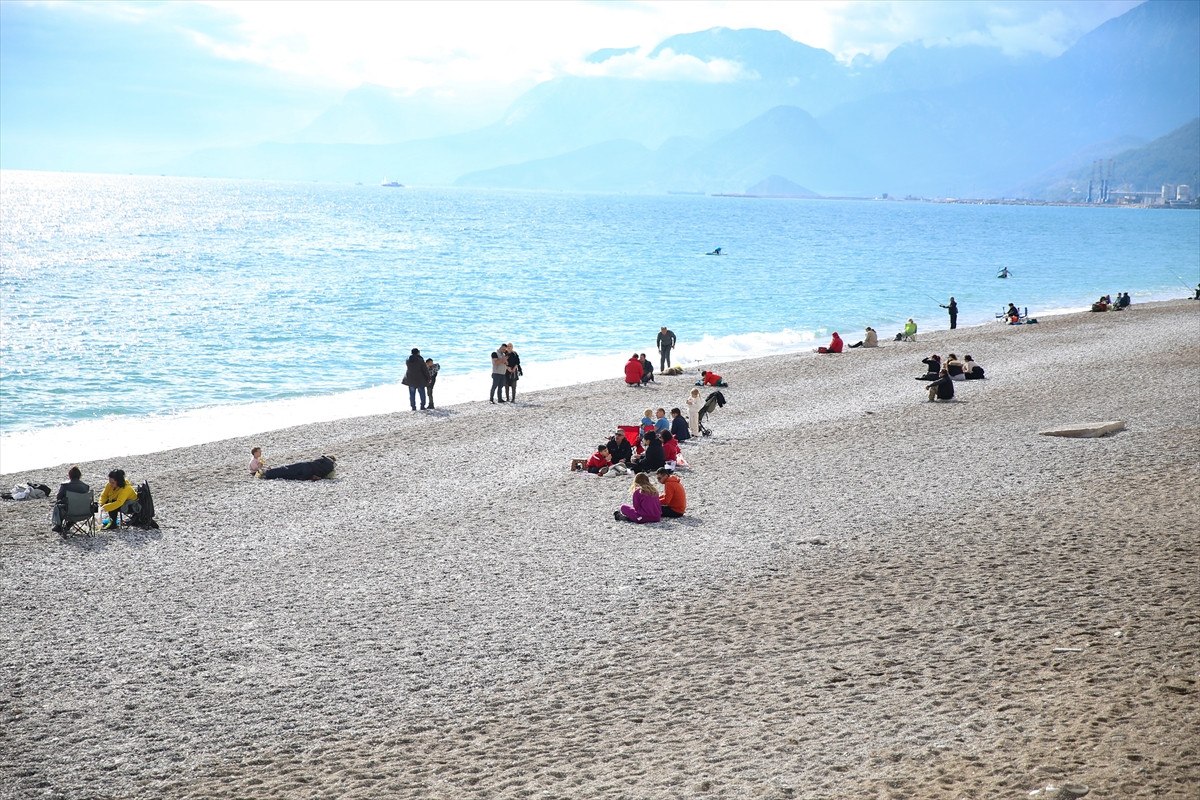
{"x":117,"y":497}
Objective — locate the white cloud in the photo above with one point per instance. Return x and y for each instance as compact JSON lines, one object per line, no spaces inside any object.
{"x":510,"y":44}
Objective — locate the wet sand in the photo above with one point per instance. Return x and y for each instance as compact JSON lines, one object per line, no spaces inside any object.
{"x":871,"y":595}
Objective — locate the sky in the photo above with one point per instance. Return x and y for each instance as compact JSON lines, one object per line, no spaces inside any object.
{"x":100,"y":81}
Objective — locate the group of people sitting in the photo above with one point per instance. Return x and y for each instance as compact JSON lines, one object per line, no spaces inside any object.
{"x":639,"y":370}
{"x":942,"y":375}
{"x":116,"y":498}
{"x":1106,"y":303}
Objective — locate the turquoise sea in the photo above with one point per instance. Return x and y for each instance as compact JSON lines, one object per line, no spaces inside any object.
{"x":138,"y":313}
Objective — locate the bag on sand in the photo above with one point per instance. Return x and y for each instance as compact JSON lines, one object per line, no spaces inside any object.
{"x":28,"y":491}
{"x":144,"y":516}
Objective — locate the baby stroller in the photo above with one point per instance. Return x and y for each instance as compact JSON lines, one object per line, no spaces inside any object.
{"x":711,"y":403}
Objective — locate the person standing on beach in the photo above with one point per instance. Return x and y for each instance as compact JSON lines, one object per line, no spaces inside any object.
{"x":416,"y":378}
{"x":514,"y":372}
{"x":953,"y":309}
{"x":433,"y":368}
{"x":499,"y":375}
{"x":694,"y":404}
{"x":665,"y":342}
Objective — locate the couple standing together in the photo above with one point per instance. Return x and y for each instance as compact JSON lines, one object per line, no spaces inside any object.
{"x":419,"y":376}
{"x":506,"y":371}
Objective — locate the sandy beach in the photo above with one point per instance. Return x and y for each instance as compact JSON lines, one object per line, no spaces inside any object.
{"x":870,"y":596}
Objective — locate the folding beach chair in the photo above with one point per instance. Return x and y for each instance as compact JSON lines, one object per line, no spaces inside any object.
{"x":78,"y":513}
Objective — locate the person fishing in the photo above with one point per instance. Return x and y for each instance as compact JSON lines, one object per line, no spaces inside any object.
{"x":953,"y":309}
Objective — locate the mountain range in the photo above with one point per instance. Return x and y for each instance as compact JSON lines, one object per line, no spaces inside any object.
{"x":929,"y":121}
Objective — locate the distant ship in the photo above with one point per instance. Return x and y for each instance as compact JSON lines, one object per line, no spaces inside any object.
{"x":392,"y":183}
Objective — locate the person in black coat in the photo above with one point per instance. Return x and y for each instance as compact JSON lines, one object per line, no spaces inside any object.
{"x":933,"y":366}
{"x":619,"y":449}
{"x":416,"y":378}
{"x":942,"y":388}
{"x":652,"y":457}
{"x":313,"y":470}
{"x":74,"y":485}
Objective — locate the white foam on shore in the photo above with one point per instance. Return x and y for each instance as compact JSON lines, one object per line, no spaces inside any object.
{"x":115,"y":436}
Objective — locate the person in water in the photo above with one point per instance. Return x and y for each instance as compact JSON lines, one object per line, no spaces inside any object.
{"x":715,"y":252}
{"x":953,"y":309}
{"x":1004,"y":273}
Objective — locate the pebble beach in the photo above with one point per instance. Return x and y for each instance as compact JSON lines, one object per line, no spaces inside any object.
{"x":871,"y":595}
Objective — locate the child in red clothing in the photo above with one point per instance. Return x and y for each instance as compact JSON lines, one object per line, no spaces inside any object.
{"x":670,"y":446}
{"x":597,"y":464}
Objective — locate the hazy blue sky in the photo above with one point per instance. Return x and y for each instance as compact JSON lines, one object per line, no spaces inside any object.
{"x":88,"y":82}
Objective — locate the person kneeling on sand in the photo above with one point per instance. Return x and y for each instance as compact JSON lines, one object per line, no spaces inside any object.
{"x":597,"y":464}
{"x":674,"y":499}
{"x":645,"y":505}
{"x":942,"y":388}
{"x":679,"y":426}
{"x":835,"y":345}
{"x":710,"y":379}
{"x":313,"y":470}
{"x":870,"y":340}
{"x":633,"y":371}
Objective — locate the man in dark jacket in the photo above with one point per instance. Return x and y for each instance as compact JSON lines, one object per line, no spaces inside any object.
{"x":514,"y":373}
{"x":74,"y":485}
{"x":619,"y":448}
{"x":416,"y":378}
{"x":666,"y":341}
{"x":953,"y":309}
{"x":942,"y":388}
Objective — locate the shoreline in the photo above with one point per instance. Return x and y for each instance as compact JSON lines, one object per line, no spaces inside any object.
{"x":22,"y":449}
{"x":870,"y":595}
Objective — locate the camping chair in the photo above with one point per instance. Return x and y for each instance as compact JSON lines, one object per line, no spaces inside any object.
{"x":711,"y":404}
{"x":79,"y":513}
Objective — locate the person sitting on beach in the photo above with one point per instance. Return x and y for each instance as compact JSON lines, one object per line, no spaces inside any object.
{"x":647,"y":370}
{"x":909,"y":334}
{"x":674,"y":499}
{"x":870,"y":340}
{"x":597,"y":464}
{"x":647,"y":422}
{"x":257,"y":462}
{"x":1012,"y":315}
{"x":620,"y":451}
{"x":933,"y":365}
{"x":433,"y":368}
{"x":694,"y":404}
{"x":314,"y":470}
{"x":973,"y":371}
{"x":75,"y":485}
{"x":835,"y":345}
{"x":661,"y":423}
{"x":1100,"y":305}
{"x":954,"y":368}
{"x":942,"y":388}
{"x":645,"y":505}
{"x":652,"y":456}
{"x":710,"y":379}
{"x":670,"y":447}
{"x":117,"y":497}
{"x":679,"y":426}
{"x":633,"y":371}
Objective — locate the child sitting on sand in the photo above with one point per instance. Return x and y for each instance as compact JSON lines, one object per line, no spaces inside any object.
{"x":597,"y":464}
{"x":645,"y":505}
{"x":670,"y":447}
{"x":647,"y":422}
{"x":257,"y":462}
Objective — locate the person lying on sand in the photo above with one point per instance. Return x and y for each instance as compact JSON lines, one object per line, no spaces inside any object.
{"x":644,"y":505}
{"x":314,"y":470}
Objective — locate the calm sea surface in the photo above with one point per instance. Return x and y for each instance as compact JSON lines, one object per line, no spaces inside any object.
{"x":142,"y":312}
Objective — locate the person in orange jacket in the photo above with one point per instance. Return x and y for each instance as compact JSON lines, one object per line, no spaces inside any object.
{"x":674,"y":500}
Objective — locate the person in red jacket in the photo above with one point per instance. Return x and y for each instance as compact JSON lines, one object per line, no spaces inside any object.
{"x":674,"y":499}
{"x":633,"y":371}
{"x":835,"y":345}
{"x":711,"y":378}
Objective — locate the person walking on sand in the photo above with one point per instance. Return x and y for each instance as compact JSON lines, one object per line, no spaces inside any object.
{"x":645,"y":505}
{"x":674,"y":499}
{"x":665,"y":341}
{"x":499,"y":375}
{"x":416,"y":378}
{"x":953,"y":309}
